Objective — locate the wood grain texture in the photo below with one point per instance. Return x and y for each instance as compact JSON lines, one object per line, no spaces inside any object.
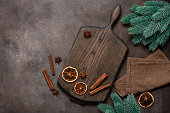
{"x":102,"y":53}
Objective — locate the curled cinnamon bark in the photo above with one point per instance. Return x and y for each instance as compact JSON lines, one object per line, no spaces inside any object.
{"x":51,"y":65}
{"x":98,"y":81}
{"x":49,"y":82}
{"x":99,"y":89}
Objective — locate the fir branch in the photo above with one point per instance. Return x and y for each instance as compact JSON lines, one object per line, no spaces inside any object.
{"x":162,"y":38}
{"x":146,"y":10}
{"x":158,"y":39}
{"x":119,"y":108}
{"x":140,"y":20}
{"x":156,"y":3}
{"x":164,"y":24}
{"x":162,"y":13}
{"x":105,"y":108}
{"x":118,"y":104}
{"x":137,"y":39}
{"x":116,"y":98}
{"x":138,"y":29}
{"x":133,"y":9}
{"x":150,"y":23}
{"x":144,"y":23}
{"x":146,"y":41}
{"x":127,"y":18}
{"x":130,"y":105}
{"x":153,"y":46}
{"x":152,"y":28}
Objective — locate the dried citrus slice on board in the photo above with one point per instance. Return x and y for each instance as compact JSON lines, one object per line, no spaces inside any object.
{"x":146,"y":99}
{"x":70,"y":74}
{"x":80,"y":88}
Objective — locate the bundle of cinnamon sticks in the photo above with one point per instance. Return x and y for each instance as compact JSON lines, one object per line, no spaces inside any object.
{"x":97,"y":83}
{"x":48,"y":80}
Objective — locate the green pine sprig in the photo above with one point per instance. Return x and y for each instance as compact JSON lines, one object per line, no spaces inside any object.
{"x":151,"y":29}
{"x":133,"y":9}
{"x":160,"y":40}
{"x":147,"y":41}
{"x":119,"y":108}
{"x":116,"y":98}
{"x":140,"y":19}
{"x":105,"y":108}
{"x":137,"y":39}
{"x":128,"y":105}
{"x":150,"y":23}
{"x":136,"y":29}
{"x":162,"y":13}
{"x":164,"y":24}
{"x":126,"y":19}
{"x":146,"y":10}
{"x":156,"y":3}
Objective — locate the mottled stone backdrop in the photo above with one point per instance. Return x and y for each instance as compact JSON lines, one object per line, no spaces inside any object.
{"x":30,"y":30}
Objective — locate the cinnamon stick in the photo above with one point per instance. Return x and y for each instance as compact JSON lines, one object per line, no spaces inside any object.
{"x":98,"y":81}
{"x":49,"y":82}
{"x":51,"y":65}
{"x":99,"y":89}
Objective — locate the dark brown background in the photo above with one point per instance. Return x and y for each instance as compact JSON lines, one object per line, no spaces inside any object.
{"x":30,"y":30}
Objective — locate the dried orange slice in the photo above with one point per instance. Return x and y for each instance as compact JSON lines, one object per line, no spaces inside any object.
{"x":146,"y":99}
{"x":70,"y":74}
{"x":80,"y":88}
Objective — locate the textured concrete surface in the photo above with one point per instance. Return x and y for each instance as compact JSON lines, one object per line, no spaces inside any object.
{"x":30,"y":30}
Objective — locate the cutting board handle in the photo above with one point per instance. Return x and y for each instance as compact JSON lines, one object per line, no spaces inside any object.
{"x":114,"y":16}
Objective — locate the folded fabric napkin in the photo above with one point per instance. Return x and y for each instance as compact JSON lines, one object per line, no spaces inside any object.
{"x":144,"y":74}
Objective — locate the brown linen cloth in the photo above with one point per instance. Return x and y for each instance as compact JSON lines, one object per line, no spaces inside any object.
{"x":144,"y":74}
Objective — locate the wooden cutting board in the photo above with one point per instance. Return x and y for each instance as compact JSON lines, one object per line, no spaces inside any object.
{"x":102,"y":53}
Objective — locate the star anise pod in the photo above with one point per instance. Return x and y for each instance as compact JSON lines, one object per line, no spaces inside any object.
{"x":82,"y":75}
{"x":87,"y":34}
{"x":55,"y":92}
{"x":58,"y":60}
